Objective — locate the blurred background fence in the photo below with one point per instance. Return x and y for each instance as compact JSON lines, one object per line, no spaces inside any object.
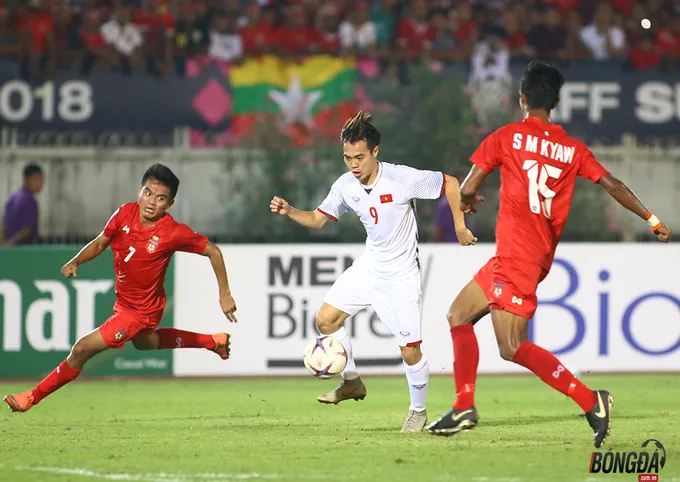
{"x":225,"y":193}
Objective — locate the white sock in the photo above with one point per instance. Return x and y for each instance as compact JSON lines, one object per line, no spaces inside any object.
{"x":418,"y":375}
{"x":350,"y":372}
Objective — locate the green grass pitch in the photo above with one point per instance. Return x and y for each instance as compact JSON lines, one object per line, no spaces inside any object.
{"x":187,"y":430}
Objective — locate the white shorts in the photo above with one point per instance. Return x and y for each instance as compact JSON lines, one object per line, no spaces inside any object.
{"x":397,"y":302}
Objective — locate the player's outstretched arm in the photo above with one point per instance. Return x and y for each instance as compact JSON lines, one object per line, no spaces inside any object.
{"x":91,"y":250}
{"x":629,"y":200}
{"x":452,"y":193}
{"x":227,"y":303}
{"x":308,"y":219}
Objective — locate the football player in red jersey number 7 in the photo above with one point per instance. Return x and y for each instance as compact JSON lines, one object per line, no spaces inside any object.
{"x":539,"y":164}
{"x":143,"y":238}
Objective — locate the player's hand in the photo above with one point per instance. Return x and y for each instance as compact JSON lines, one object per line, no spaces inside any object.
{"x":465,"y":237}
{"x":663,"y":234}
{"x":470,"y":207}
{"x":279,"y":206}
{"x":228,"y":306}
{"x":69,"y":270}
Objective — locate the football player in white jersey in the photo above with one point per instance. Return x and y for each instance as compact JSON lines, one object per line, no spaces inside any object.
{"x":387,"y":276}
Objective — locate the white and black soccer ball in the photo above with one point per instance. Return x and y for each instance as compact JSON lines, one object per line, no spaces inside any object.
{"x":325,"y":357}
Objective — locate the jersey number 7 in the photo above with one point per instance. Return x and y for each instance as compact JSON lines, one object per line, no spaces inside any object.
{"x":538,"y":177}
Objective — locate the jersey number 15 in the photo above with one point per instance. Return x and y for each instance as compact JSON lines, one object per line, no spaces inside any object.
{"x":538,"y":177}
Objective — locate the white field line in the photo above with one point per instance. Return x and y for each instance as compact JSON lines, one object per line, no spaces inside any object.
{"x":227,"y":477}
{"x":151,"y":477}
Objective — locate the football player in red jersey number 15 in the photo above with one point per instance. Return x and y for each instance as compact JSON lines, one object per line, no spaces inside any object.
{"x":143,"y":238}
{"x":539,"y":163}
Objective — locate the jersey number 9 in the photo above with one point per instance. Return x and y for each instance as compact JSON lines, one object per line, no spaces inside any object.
{"x":374,"y":214}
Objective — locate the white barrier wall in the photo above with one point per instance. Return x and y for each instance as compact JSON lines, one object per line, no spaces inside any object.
{"x":604,"y":307}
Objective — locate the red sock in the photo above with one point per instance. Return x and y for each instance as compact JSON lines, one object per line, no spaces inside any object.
{"x":59,"y":377}
{"x":465,"y":362}
{"x":549,"y":369}
{"x":170,"y":338}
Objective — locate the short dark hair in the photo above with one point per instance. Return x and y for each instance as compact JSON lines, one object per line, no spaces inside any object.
{"x":31,"y":170}
{"x":541,"y":85}
{"x":360,"y":128}
{"x":165,"y":176}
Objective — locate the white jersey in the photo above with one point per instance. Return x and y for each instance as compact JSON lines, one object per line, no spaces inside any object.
{"x":387,"y":210}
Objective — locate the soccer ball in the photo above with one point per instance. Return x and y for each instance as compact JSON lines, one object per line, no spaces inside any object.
{"x":325,"y":357}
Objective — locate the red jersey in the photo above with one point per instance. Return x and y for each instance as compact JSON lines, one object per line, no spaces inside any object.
{"x":538,"y":162}
{"x":141,"y":255}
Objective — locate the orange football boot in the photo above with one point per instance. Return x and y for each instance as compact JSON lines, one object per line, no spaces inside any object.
{"x":222,"y":345}
{"x":20,"y":402}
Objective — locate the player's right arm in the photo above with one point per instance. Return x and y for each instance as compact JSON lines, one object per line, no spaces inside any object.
{"x":92,"y":249}
{"x":333,"y":207}
{"x":308,"y":219}
{"x":485,"y":159}
{"x":590,"y":168}
{"x":629,"y":200}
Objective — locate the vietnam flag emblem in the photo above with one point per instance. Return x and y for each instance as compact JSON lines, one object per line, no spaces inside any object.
{"x":385,"y":198}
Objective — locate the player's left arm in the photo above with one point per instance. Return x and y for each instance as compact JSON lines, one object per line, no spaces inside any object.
{"x":227,"y":303}
{"x":629,"y":200}
{"x":452,"y":193}
{"x":189,"y":241}
{"x":590,"y":168}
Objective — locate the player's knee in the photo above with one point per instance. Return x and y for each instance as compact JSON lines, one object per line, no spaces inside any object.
{"x":455,"y":317}
{"x":507,"y":350}
{"x":326,"y":325}
{"x":411,"y":354}
{"x":82,"y":350}
{"x":146,"y":342}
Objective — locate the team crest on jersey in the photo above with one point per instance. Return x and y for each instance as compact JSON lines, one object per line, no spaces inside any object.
{"x":153,"y":243}
{"x":385,"y":198}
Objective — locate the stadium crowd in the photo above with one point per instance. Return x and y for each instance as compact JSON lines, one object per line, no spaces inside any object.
{"x":159,"y":36}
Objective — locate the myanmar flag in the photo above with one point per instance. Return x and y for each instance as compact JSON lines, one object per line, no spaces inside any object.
{"x":308,"y":98}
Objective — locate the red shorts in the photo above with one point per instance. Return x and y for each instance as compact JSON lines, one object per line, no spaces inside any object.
{"x":125,"y":324}
{"x":510,"y":285}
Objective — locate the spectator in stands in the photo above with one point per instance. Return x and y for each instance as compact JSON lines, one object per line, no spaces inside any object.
{"x":257,"y":29}
{"x":10,"y":40}
{"x":550,"y":36}
{"x":226,"y":44}
{"x":385,"y":16}
{"x":191,"y":40}
{"x":491,"y":58}
{"x":124,"y":40}
{"x":668,"y":41}
{"x":66,"y":40}
{"x":444,"y":45}
{"x":158,"y":27}
{"x":37,"y":26}
{"x":358,"y":33}
{"x":465,"y":29}
{"x":20,"y":221}
{"x":576,"y":50}
{"x":415,"y":32}
{"x":296,"y":37}
{"x":327,"y":21}
{"x":603,"y":38}
{"x":644,"y":54}
{"x":515,"y":40}
{"x":94,"y":53}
